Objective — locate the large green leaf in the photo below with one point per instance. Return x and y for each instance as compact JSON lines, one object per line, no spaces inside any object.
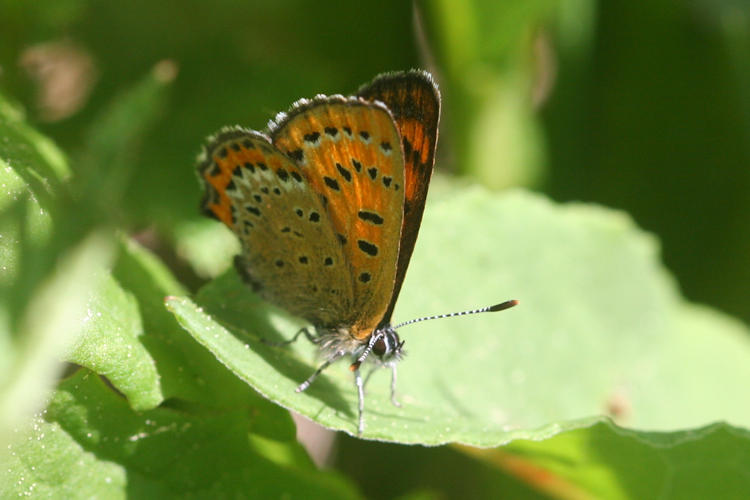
{"x":605,"y":461}
{"x":90,"y":444}
{"x":600,"y":329}
{"x":44,"y":281}
{"x":129,"y":338}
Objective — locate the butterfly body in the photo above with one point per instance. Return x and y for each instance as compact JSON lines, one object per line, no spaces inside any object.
{"x":327,"y":205}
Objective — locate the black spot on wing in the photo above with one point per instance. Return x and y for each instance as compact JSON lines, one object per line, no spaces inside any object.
{"x":331,"y":183}
{"x":346,"y":174}
{"x":371,"y":217}
{"x":312,"y":137}
{"x":367,"y":247}
{"x":297,"y":155}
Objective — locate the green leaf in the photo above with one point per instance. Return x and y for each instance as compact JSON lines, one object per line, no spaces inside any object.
{"x":33,"y":155}
{"x":490,"y":85}
{"x":115,"y":138}
{"x":595,"y":333}
{"x":606,"y":461}
{"x":186,"y":370}
{"x":47,"y":325}
{"x":111,"y":345}
{"x":90,"y":443}
{"x":31,"y":169}
{"x":44,"y":281}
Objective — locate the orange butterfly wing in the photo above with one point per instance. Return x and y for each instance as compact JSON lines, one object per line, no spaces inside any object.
{"x":350,"y":150}
{"x":413,"y":99}
{"x":290,"y":254}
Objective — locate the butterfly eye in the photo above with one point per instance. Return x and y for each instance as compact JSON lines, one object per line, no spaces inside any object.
{"x":387,"y":344}
{"x":381,"y":347}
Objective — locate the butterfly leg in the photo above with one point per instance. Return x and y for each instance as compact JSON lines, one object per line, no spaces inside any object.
{"x":361,"y":394}
{"x":304,"y":385}
{"x":394,"y":402}
{"x":281,"y":343}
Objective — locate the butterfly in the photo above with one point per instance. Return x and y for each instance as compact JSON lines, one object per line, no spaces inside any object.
{"x":327,"y":205}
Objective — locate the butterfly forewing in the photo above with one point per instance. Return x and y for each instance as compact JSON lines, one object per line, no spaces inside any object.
{"x":286,"y":235}
{"x":350,"y":150}
{"x":414,"y":102}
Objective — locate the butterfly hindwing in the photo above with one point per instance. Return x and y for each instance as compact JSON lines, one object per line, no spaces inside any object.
{"x":413,"y":99}
{"x":286,"y":235}
{"x":350,"y":150}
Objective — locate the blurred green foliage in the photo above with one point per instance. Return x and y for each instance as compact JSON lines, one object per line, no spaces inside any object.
{"x":644,"y":107}
{"x":641,"y":106}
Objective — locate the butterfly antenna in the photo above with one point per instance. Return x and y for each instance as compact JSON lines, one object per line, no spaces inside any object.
{"x":497,"y":307}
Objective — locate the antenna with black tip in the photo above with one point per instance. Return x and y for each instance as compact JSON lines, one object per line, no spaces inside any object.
{"x":497,"y":307}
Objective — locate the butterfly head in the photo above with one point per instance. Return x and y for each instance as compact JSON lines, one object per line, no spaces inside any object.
{"x":387,"y":346}
{"x":384,"y":343}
